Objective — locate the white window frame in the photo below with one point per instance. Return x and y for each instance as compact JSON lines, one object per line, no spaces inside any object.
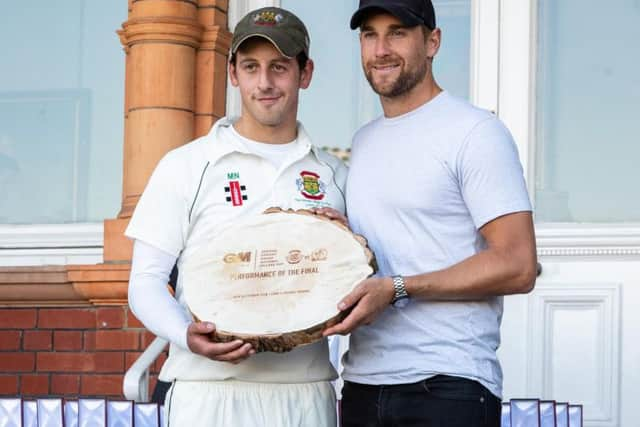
{"x":51,"y":244}
{"x":484,"y":54}
{"x":516,"y":106}
{"x":54,"y":244}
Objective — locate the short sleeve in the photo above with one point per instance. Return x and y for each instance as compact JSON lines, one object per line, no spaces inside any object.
{"x":161,"y":215}
{"x":490,"y":173}
{"x":341,"y":176}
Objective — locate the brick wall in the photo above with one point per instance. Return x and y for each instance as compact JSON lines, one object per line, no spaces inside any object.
{"x":69,"y":352}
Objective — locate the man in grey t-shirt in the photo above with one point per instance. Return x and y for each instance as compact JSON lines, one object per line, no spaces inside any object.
{"x":436,"y":187}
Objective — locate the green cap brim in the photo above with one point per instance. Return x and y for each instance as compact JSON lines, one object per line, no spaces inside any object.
{"x":280,"y":40}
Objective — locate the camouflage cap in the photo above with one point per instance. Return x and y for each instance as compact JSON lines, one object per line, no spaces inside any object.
{"x":281,"y":27}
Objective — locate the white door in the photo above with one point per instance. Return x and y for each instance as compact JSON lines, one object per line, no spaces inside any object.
{"x":569,"y":90}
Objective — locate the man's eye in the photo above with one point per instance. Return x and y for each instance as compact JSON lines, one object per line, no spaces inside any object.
{"x":397,"y":33}
{"x":279,"y":68}
{"x":368,"y":35}
{"x":250,"y":67}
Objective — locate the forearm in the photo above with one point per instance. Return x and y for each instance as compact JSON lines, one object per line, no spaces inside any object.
{"x":486,"y":274}
{"x":507,"y":266}
{"x":149,"y":298}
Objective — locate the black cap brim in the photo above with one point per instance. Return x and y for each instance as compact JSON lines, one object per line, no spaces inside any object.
{"x":406,"y":17}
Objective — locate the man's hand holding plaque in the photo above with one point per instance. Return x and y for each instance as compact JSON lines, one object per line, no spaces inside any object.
{"x":199,"y":342}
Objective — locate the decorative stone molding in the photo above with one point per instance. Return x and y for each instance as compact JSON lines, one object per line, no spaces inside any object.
{"x":217,"y":39}
{"x":588,"y":241}
{"x":64,"y":286}
{"x":103,"y":284}
{"x":163,"y":29}
{"x":597,"y":252}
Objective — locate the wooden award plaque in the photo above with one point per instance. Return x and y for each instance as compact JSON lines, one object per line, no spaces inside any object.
{"x":274,"y":280}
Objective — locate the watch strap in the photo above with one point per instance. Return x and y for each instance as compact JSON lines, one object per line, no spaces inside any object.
{"x":399,"y":289}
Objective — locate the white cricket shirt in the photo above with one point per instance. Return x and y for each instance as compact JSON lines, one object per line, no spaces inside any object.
{"x":201,"y":187}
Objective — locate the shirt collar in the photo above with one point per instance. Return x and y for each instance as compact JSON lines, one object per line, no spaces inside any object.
{"x":220,"y":146}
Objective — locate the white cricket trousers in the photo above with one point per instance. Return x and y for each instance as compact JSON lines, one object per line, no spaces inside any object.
{"x":245,"y":404}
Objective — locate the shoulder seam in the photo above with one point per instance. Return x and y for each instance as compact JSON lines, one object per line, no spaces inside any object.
{"x":198,"y":190}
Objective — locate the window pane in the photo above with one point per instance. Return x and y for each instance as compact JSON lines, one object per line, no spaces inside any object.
{"x":451,"y":65}
{"x":587,"y":111}
{"x":339,"y":99}
{"x":61,"y":111}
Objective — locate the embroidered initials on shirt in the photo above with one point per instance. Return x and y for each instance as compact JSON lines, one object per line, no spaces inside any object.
{"x":234,"y":193}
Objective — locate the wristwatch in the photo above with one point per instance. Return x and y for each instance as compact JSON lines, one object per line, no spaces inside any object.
{"x":401,"y":297}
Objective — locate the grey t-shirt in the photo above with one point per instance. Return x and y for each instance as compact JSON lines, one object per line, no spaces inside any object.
{"x":419,"y":187}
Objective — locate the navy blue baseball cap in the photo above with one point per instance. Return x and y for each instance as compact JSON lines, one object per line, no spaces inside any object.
{"x":410,"y":12}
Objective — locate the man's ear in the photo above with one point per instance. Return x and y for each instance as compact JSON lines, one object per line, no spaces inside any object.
{"x":233,"y":77}
{"x":433,"y":42}
{"x":306,"y":74}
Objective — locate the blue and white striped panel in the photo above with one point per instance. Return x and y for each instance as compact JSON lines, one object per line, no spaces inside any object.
{"x":547,"y":413}
{"x":11,"y":412}
{"x":162,"y":414}
{"x":525,"y":413}
{"x":92,"y":413}
{"x":146,"y":415}
{"x":29,"y":413}
{"x":50,"y":412}
{"x":562,"y":414}
{"x":575,"y":415}
{"x":71,"y":413}
{"x":505,"y":416}
{"x":120,"y":414}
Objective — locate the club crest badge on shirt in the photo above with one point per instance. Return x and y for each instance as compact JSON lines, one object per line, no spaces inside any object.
{"x":235,"y":192}
{"x":310,"y":186}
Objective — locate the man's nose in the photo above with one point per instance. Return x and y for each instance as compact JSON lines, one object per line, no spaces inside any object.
{"x":266,"y":80}
{"x":381,"y":47}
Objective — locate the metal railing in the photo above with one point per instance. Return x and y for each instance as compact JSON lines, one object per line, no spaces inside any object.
{"x":136,"y":381}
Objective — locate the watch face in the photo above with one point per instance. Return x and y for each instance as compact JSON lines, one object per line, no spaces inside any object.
{"x":402,"y":302}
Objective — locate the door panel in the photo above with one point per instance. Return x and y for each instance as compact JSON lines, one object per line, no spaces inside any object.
{"x":575,"y":337}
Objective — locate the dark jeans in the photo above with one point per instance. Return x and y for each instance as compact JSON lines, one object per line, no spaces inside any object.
{"x":160,"y":391}
{"x":441,"y":401}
